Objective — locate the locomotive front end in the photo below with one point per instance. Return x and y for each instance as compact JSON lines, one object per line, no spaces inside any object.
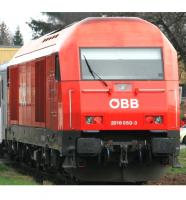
{"x":128,"y":102}
{"x":98,"y":100}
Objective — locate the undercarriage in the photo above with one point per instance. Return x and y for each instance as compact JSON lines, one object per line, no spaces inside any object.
{"x":104,"y":157}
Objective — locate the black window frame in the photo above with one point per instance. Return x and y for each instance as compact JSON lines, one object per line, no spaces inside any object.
{"x":57,"y":68}
{"x":2,"y":89}
{"x":152,"y":47}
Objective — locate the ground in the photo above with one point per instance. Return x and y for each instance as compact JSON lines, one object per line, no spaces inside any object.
{"x":10,"y":176}
{"x":174,"y":176}
{"x":170,"y":179}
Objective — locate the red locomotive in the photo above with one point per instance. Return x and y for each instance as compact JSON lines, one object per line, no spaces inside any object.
{"x":99,"y":99}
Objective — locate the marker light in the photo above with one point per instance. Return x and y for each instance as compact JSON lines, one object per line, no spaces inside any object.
{"x":123,"y":87}
{"x":154,"y":119}
{"x":94,"y":119}
{"x":149,"y":119}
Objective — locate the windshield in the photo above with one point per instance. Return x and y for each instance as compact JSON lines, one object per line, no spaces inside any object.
{"x":122,"y":63}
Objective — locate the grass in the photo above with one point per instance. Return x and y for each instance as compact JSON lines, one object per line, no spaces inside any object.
{"x":9,"y":176}
{"x":182,"y":160}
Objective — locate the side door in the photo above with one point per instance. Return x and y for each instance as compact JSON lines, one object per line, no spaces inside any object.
{"x":52,"y":93}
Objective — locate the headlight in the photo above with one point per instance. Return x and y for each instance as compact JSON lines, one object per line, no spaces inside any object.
{"x":94,"y":119}
{"x":89,"y":120}
{"x":158,"y":120}
{"x":154,"y":119}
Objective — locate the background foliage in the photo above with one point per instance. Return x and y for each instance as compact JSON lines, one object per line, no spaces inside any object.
{"x":6,"y":38}
{"x":173,"y":25}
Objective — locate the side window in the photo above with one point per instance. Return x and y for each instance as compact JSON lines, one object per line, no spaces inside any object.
{"x":57,"y":68}
{"x":0,"y":91}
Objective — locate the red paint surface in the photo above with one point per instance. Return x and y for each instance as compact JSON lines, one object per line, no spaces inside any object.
{"x":119,"y":32}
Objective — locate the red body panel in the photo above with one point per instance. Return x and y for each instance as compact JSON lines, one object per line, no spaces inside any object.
{"x":51,"y":95}
{"x":69,"y":101}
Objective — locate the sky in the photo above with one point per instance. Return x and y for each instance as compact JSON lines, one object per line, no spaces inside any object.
{"x":20,"y":19}
{"x":18,"y":12}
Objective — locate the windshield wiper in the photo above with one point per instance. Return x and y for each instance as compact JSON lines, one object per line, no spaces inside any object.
{"x":94,"y":73}
{"x":89,"y":67}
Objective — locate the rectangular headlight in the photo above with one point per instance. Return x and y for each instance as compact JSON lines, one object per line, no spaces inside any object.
{"x":94,"y":119}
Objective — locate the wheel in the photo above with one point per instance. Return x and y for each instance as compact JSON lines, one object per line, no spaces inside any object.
{"x":184,"y":140}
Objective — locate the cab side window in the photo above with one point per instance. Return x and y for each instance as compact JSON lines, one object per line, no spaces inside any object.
{"x":57,"y":68}
{"x":0,"y":92}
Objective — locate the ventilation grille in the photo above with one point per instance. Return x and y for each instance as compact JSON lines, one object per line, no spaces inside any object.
{"x":50,"y":38}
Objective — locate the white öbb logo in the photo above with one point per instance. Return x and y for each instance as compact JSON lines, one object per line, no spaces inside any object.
{"x":124,"y":103}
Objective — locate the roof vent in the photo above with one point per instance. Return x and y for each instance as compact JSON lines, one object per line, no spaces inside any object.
{"x":50,"y":38}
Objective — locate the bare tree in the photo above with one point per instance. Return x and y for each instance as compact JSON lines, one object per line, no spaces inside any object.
{"x":5,"y":36}
{"x":173,"y":25}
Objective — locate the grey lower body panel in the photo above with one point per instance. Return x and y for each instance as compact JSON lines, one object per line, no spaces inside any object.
{"x":66,"y":141}
{"x":58,"y":140}
{"x":35,"y":136}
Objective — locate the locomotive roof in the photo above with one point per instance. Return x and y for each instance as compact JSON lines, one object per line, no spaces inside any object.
{"x":51,"y":42}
